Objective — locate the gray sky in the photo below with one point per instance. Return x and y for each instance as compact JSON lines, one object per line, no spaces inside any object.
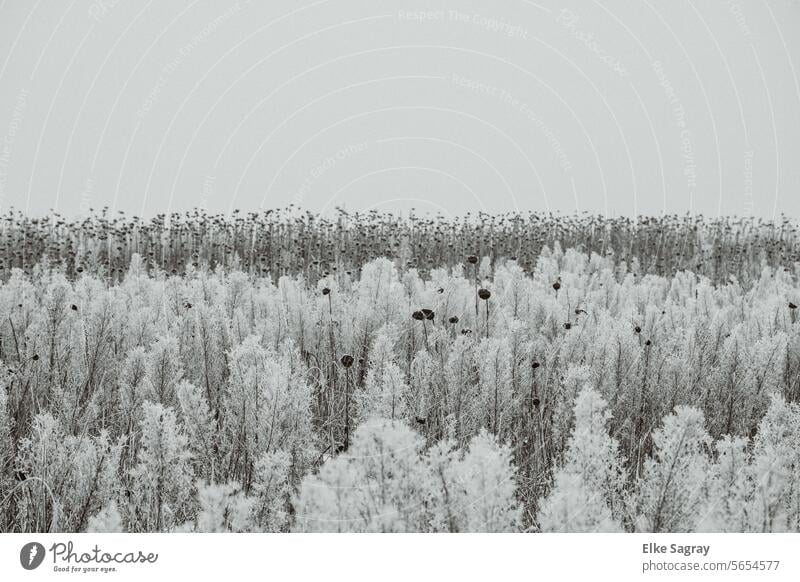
{"x":615,"y":107}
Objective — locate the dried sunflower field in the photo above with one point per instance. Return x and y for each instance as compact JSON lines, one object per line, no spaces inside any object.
{"x":282,"y":371}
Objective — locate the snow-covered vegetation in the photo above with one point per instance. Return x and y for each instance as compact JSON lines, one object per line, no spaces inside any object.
{"x":159,"y":379}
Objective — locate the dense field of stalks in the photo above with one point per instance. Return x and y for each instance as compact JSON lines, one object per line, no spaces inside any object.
{"x":283,"y":372}
{"x":290,"y":242}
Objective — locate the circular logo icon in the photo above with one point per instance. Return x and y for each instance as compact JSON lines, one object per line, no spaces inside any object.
{"x":31,"y":555}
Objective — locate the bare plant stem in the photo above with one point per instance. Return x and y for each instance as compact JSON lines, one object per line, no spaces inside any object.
{"x":477,"y":285}
{"x":347,"y":409}
{"x":487,"y":319}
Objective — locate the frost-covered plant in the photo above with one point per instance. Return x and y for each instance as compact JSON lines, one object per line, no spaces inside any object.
{"x":199,"y":426}
{"x":385,"y":394}
{"x":223,"y":508}
{"x":673,"y":488}
{"x":485,"y":486}
{"x":775,"y":470}
{"x":266,"y":407}
{"x":164,"y":370}
{"x":68,"y":477}
{"x":495,"y":371}
{"x":378,"y":485}
{"x":108,"y":520}
{"x":730,"y":489}
{"x":272,"y":491}
{"x":6,"y":450}
{"x":588,"y":492}
{"x":161,"y":494}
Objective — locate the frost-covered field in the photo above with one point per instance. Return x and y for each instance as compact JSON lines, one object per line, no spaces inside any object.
{"x":479,"y":379}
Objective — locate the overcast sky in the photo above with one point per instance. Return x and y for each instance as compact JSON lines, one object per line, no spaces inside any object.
{"x":617,"y":107}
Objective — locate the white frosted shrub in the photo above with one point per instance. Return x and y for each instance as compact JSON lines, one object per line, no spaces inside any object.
{"x":776,"y":470}
{"x":162,"y":481}
{"x":223,"y":508}
{"x":588,"y":492}
{"x":730,"y":489}
{"x":108,"y":520}
{"x":673,"y":488}
{"x":486,"y":484}
{"x":376,"y":486}
{"x":272,"y":490}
